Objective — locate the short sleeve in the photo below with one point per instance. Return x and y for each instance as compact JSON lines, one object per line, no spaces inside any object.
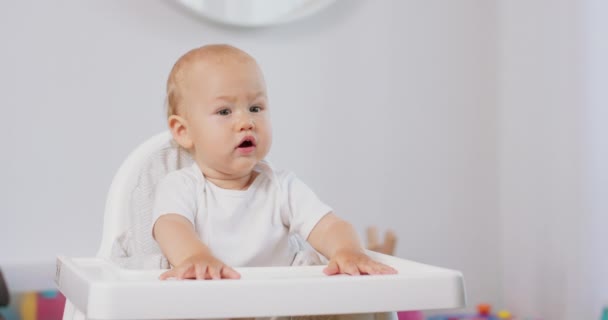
{"x":175,"y":193}
{"x":305,"y":209}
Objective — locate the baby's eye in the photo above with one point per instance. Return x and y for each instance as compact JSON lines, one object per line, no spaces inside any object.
{"x":255,"y":109}
{"x":224,"y":112}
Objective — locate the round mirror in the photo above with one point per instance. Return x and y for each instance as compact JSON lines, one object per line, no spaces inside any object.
{"x":254,"y":13}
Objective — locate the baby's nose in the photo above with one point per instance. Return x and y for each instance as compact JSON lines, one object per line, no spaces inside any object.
{"x":247,"y":123}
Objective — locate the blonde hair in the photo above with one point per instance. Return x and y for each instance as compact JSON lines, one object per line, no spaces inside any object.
{"x":217,"y":53}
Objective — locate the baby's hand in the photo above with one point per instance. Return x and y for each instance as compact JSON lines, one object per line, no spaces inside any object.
{"x":201,"y":266}
{"x":355,"y":262}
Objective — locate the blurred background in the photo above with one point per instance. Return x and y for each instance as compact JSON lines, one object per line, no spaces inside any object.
{"x":475,"y":129}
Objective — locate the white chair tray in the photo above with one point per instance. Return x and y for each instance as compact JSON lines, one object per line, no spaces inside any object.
{"x":101,"y":290}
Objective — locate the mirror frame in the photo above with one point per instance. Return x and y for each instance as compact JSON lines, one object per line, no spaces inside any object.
{"x":309,"y":8}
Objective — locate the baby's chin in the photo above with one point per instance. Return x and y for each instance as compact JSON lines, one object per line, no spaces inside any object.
{"x":228,"y":167}
{"x":233,"y":167}
{"x":243,"y":166}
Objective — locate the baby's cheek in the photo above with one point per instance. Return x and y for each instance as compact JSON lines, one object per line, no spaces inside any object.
{"x":268,"y":142}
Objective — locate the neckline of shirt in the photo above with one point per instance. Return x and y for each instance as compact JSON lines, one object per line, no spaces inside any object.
{"x":261,"y":168}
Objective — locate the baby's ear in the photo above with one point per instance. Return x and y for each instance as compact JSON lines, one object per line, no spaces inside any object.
{"x":179,"y":130}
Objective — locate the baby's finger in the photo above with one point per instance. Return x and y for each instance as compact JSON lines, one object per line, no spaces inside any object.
{"x":185,"y":273}
{"x":176,"y":272}
{"x":167,"y":274}
{"x":199,"y":270}
{"x":369,"y":268}
{"x":229,"y":273}
{"x":350,"y":268}
{"x":332,"y":268}
{"x":384,"y":269}
{"x":388,"y":270}
{"x":214,"y":271}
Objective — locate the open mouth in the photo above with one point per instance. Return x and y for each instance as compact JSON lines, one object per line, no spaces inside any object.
{"x":248,"y":142}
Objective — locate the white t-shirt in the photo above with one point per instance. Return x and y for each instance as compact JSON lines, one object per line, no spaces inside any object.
{"x":243,"y":227}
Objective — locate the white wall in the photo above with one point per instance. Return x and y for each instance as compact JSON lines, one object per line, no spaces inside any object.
{"x":386,"y":108}
{"x":594,"y":261}
{"x":540,"y":125}
{"x":553,"y":157}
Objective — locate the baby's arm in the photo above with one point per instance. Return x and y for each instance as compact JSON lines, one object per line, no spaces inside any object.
{"x":189,"y":256}
{"x":337,"y":240}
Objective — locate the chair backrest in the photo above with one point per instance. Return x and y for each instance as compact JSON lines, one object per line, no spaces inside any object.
{"x":128,"y":211}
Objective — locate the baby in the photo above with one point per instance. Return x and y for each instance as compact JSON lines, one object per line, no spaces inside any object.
{"x":232,"y":208}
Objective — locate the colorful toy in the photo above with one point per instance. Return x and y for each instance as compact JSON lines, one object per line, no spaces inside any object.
{"x":484,"y":312}
{"x":410,"y":315}
{"x":484,"y":309}
{"x":463,"y":317}
{"x":44,"y":305}
{"x":8,"y":313}
{"x":504,"y":315}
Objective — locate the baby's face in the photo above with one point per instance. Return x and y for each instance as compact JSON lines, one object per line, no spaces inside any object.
{"x":226,"y":111}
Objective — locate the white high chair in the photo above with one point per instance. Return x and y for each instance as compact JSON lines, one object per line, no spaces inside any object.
{"x":121,"y":282}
